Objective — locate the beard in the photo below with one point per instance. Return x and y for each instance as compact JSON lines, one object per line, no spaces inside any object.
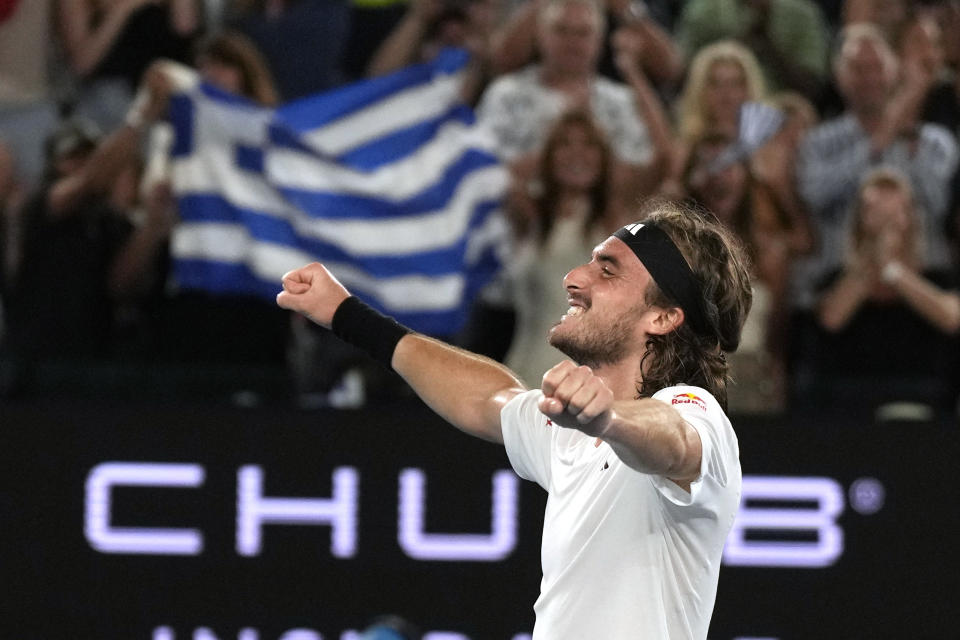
{"x":595,"y":346}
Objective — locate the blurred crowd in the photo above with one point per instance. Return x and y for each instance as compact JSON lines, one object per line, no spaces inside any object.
{"x":849,"y":209}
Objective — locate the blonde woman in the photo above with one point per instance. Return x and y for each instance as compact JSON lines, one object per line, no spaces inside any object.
{"x":722,"y":77}
{"x":888,"y":324}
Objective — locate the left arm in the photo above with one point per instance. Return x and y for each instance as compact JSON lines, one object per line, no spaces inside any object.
{"x":940,"y":308}
{"x":647,"y":435}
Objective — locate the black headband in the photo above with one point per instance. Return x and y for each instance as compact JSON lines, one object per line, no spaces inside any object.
{"x":669,"y":270}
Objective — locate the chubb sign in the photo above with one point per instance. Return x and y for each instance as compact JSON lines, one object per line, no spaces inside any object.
{"x":784,"y":521}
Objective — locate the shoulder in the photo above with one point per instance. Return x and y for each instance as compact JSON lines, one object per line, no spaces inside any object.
{"x":697,"y":406}
{"x":687,"y":394}
{"x":933,"y":133}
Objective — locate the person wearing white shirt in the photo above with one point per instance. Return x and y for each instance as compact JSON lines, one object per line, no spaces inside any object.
{"x":629,"y":437}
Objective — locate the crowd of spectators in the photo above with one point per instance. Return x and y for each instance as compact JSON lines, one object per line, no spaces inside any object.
{"x":849,"y":211}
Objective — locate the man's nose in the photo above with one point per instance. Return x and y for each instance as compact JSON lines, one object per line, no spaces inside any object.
{"x":575,"y":278}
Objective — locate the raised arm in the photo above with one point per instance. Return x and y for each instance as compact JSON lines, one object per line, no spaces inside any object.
{"x":118,"y":150}
{"x":465,"y":389}
{"x":402,"y":46}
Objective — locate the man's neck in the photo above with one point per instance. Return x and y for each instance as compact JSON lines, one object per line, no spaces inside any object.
{"x":564,"y":80}
{"x":621,"y":377}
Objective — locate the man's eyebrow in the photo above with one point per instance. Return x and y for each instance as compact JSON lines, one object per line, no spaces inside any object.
{"x":606,"y":258}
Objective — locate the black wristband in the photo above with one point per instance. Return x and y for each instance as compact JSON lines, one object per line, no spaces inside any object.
{"x":357,"y":323}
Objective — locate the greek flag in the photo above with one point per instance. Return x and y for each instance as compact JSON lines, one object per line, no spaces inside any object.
{"x":388,"y":182}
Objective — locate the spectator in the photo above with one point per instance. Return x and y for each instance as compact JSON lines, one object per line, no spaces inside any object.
{"x":558,"y":216}
{"x":788,"y":36}
{"x":303,"y":41}
{"x":515,"y":43}
{"x":520,"y":107}
{"x":28,"y":112}
{"x":110,"y":43}
{"x":76,"y":254}
{"x":195,"y":326}
{"x":884,"y":289}
{"x":771,"y":235}
{"x":722,"y":77}
{"x":878,"y":128}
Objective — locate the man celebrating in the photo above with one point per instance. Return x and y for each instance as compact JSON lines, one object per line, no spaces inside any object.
{"x":639,"y":460}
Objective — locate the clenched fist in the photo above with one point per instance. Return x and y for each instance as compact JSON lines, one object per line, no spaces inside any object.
{"x":576,"y":398}
{"x":312,"y":291}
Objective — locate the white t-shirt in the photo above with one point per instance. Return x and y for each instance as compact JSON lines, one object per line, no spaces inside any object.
{"x":626,"y":554}
{"x":520,"y":111}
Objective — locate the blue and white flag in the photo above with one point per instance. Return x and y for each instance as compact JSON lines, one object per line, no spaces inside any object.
{"x":388,"y":182}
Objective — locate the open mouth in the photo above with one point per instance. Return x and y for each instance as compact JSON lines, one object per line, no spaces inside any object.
{"x":576,"y":309}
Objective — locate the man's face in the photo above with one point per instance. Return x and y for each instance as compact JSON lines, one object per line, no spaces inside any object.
{"x":865,"y":76}
{"x":569,"y":38}
{"x":605,"y":321}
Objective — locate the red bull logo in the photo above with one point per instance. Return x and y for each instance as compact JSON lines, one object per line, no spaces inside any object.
{"x":689,"y":398}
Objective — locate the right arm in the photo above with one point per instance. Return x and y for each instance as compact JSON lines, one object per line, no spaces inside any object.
{"x":117,"y":151}
{"x":940,"y":308}
{"x":465,"y":389}
{"x":402,"y":46}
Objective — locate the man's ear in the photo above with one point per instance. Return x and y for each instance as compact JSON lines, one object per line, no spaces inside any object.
{"x":664,"y":320}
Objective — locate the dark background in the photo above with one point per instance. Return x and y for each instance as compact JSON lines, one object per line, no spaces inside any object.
{"x":897,"y":576}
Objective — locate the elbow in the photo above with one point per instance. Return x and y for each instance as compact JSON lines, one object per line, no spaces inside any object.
{"x":951,"y":321}
{"x":831,"y":321}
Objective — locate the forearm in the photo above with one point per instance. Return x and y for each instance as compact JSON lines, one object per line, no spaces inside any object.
{"x":651,"y":111}
{"x":652,"y":437}
{"x":941,"y":308}
{"x":464,"y":388}
{"x":513,"y":44}
{"x":842,"y":300}
{"x":662,"y":60}
{"x":135,"y":268}
{"x":400,"y":47}
{"x":99,"y":172}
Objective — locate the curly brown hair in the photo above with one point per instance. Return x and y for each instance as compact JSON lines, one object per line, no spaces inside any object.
{"x":722,"y":267}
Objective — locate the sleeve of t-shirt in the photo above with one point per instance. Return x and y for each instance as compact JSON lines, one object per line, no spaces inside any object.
{"x":527,"y":437}
{"x":720,"y":455}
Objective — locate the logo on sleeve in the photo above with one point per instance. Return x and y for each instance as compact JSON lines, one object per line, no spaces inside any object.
{"x":689,"y":398}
